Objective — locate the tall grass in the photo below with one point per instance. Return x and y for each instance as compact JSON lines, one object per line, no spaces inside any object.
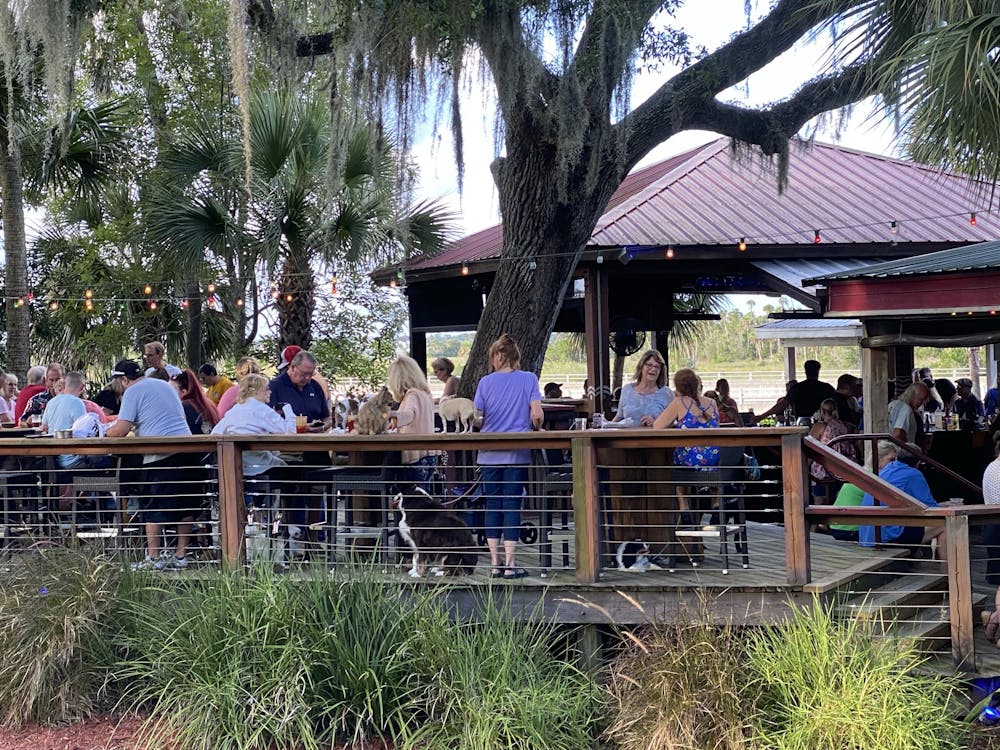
{"x":679,"y":686}
{"x":825,"y":685}
{"x":260,"y":661}
{"x":55,"y":652}
{"x":493,"y":684}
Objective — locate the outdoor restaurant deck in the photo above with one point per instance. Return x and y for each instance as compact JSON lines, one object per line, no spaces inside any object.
{"x":615,"y":487}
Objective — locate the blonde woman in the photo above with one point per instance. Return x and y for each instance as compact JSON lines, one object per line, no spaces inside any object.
{"x":244,"y":367}
{"x":414,"y":416}
{"x":251,"y":415}
{"x":444,"y":370}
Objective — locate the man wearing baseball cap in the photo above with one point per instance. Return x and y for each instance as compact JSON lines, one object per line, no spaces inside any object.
{"x":288,"y":354}
{"x":152,"y":407}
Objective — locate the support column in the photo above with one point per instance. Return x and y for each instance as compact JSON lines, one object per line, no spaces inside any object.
{"x":875,"y":385}
{"x":902,"y":365}
{"x":661,"y":342}
{"x":418,"y":348}
{"x":597,"y":322}
{"x":790,"y":363}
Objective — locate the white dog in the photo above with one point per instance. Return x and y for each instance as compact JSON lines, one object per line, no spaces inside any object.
{"x":461,"y":411}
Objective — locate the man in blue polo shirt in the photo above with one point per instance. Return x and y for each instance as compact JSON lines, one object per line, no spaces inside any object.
{"x":296,"y":387}
{"x":912,"y":482}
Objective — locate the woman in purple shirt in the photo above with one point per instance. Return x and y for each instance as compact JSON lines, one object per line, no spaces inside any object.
{"x":507,"y":400}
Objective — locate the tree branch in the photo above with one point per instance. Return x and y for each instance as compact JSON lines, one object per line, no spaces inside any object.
{"x":694,"y":89}
{"x":770,"y":128}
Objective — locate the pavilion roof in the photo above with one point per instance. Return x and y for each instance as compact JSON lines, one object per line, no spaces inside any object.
{"x":707,"y":197}
{"x":983,"y":256}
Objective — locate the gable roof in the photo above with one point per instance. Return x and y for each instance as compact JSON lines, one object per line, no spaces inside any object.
{"x":705,"y":197}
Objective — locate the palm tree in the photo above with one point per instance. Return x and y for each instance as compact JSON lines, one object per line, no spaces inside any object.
{"x":935,"y":66}
{"x":308,"y":204}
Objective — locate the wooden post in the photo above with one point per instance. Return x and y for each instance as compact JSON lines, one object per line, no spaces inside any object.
{"x":795,"y":479}
{"x":596,"y":322}
{"x":963,"y":645}
{"x":231,"y":527}
{"x":789,"y":363}
{"x":875,"y":374}
{"x":586,"y":513}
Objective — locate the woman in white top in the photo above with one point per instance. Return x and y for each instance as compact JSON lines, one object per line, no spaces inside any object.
{"x":251,"y":415}
{"x":6,"y":407}
{"x":414,"y":416}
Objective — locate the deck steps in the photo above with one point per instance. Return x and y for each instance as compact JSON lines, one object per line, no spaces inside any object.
{"x":898,"y":600}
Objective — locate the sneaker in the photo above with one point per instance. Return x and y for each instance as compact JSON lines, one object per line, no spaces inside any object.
{"x":146,"y":564}
{"x":171,"y":563}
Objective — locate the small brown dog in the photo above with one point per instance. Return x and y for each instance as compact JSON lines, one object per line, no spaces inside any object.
{"x":373,"y":416}
{"x":461,"y":411}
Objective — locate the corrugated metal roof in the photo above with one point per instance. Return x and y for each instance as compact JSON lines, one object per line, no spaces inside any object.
{"x":834,"y":330}
{"x":850,"y":196}
{"x":487,"y":243}
{"x":982,"y":256}
{"x":797,"y":272}
{"x":704,"y":197}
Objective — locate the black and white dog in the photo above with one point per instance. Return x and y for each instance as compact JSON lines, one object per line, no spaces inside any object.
{"x":435,"y":534}
{"x":634,"y":555}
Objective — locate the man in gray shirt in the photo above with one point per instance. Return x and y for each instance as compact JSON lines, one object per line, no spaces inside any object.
{"x":153,"y":408}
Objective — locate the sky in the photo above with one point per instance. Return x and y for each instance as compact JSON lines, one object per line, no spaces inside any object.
{"x":708,"y":22}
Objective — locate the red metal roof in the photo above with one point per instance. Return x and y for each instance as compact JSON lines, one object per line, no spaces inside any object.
{"x":705,"y":197}
{"x":487,"y":243}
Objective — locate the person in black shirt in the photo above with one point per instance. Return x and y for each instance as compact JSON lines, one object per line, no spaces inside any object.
{"x":808,"y":394}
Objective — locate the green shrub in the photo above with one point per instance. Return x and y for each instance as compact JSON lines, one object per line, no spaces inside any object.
{"x":493,"y":684}
{"x":259,"y":660}
{"x":679,"y":686}
{"x":55,"y":635}
{"x":827,"y":685}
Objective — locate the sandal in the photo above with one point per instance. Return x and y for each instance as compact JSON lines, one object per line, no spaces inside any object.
{"x":991,"y":622}
{"x":496,"y":573}
{"x":511,"y":573}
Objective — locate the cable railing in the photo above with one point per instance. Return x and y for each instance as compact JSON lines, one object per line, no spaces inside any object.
{"x":596,"y":508}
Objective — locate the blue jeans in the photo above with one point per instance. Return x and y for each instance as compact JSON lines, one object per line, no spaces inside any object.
{"x":503,"y":487}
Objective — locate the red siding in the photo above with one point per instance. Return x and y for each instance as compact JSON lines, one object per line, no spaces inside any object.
{"x":920,"y":294}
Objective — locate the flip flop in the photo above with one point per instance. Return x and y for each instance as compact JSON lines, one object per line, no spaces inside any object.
{"x":511,"y":573}
{"x":991,"y":622}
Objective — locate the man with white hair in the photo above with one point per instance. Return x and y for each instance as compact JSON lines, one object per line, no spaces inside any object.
{"x":35,"y":385}
{"x":912,"y":482}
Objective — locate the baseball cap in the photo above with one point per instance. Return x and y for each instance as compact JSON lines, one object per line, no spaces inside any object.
{"x":127,"y":367}
{"x":287,"y":354}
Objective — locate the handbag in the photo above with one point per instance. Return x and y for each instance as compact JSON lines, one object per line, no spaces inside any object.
{"x":750,"y":466}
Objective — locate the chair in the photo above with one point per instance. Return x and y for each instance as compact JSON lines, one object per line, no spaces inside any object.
{"x":348,"y":481}
{"x":554,"y":482}
{"x":731,"y":515}
{"x":91,"y":482}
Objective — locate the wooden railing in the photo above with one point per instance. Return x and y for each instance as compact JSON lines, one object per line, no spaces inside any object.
{"x":588,"y":450}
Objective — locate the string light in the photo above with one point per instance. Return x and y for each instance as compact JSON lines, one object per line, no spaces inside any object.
{"x":600,"y":258}
{"x":893,"y":227}
{"x":239,"y":302}
{"x":152,"y":304}
{"x":972,"y":218}
{"x":392,"y":283}
{"x":20,"y":302}
{"x":288,"y":298}
{"x":211,"y":288}
{"x":88,"y":305}
{"x":275,"y":294}
{"x":333,"y":284}
{"x":742,"y":246}
{"x":89,"y":294}
{"x":148,"y":290}
{"x":53,"y":305}
{"x":465,"y":269}
{"x":532,"y":265}
{"x":670,"y":252}
{"x":185,"y":304}
{"x":816,"y":238}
